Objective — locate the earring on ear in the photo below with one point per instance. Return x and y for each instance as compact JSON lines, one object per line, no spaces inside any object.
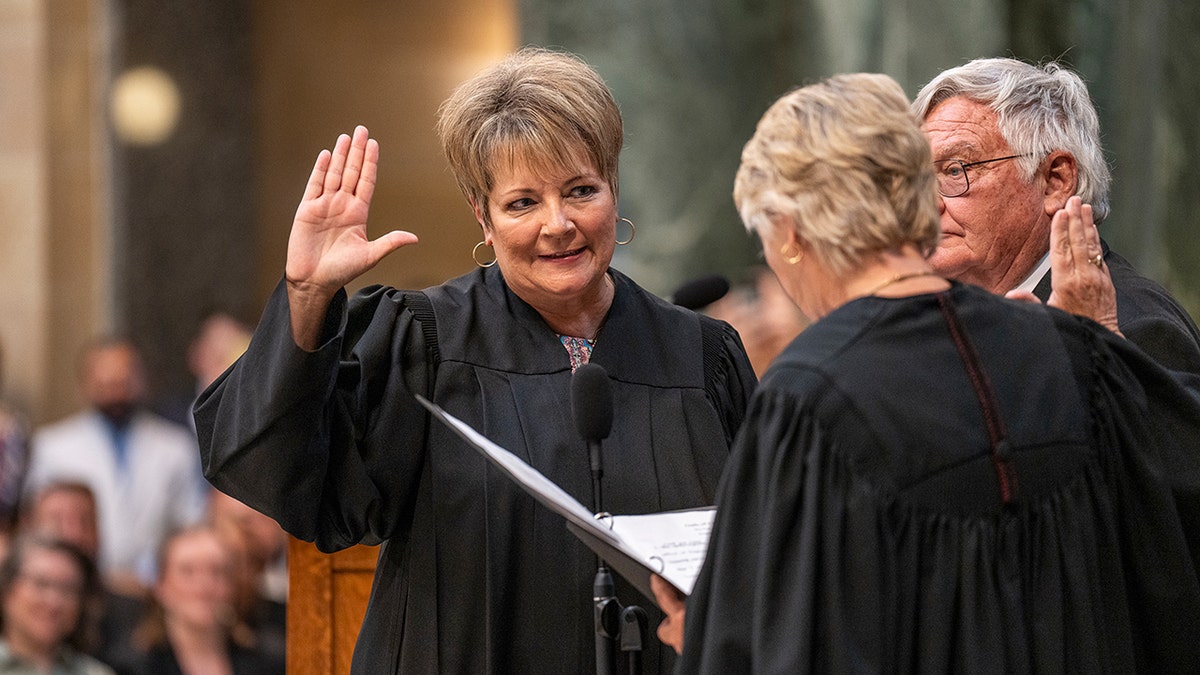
{"x":791,"y":259}
{"x":632,"y":231}
{"x":475,"y":255}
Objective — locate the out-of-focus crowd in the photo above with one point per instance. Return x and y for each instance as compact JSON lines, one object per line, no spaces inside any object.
{"x":115,"y":554}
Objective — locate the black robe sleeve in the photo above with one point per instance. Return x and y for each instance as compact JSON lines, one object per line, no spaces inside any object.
{"x":728,"y":376}
{"x":279,"y":429}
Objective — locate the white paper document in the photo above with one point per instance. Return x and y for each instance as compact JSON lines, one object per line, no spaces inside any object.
{"x":670,"y":544}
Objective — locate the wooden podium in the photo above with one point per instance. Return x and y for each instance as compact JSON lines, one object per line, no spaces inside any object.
{"x":327,"y":598}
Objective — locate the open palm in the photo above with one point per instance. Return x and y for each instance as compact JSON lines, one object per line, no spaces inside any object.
{"x":328,"y":246}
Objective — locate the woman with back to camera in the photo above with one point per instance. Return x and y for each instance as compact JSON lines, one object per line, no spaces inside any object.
{"x":317,"y":427}
{"x":931,"y":478}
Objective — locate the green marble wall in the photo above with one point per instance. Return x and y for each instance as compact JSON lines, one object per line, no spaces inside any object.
{"x":693,"y":76}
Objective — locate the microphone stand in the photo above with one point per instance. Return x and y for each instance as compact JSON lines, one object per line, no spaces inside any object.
{"x":591,"y":404}
{"x":606,"y":608}
{"x":614,"y":624}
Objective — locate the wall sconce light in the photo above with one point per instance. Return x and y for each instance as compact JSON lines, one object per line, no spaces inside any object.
{"x":144,"y":105}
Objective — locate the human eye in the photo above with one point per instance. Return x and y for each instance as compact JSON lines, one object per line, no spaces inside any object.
{"x":950,"y":168}
{"x":520,"y":204}
{"x":583,"y":191}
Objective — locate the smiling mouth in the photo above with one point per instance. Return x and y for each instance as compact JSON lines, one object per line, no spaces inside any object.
{"x":564,"y":254}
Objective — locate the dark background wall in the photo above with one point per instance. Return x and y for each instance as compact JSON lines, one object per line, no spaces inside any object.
{"x":185,"y":235}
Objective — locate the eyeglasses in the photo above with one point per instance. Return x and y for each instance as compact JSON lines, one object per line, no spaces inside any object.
{"x":41,"y":584}
{"x":952,"y":174}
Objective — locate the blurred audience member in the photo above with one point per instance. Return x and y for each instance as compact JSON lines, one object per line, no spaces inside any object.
{"x":260,"y":548}
{"x":220,"y":341}
{"x":44,"y":586}
{"x":140,"y":467}
{"x":220,"y":338}
{"x":14,"y":459}
{"x":193,"y":628}
{"x":67,"y":510}
{"x":763,"y":316}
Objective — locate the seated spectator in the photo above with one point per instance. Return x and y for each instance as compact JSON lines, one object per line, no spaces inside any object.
{"x":218,"y":341}
{"x":193,"y":628}
{"x":14,"y":458}
{"x":140,"y":467}
{"x":260,"y":548}
{"x":44,"y":585}
{"x":67,"y":510}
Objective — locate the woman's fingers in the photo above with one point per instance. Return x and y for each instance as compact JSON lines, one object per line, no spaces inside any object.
{"x":670,"y":631}
{"x":385,"y":244}
{"x":316,"y":180}
{"x":365,"y":182}
{"x":337,"y":164}
{"x":354,"y":159}
{"x":351,"y":167}
{"x":1023,"y":296}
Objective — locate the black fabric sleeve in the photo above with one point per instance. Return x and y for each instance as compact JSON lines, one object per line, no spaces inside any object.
{"x":329,"y":443}
{"x":729,"y":379}
{"x":1166,"y":340}
{"x":1167,"y":409}
{"x":1157,"y":426}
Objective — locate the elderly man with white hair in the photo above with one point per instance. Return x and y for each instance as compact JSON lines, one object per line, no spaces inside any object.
{"x":1012,"y":142}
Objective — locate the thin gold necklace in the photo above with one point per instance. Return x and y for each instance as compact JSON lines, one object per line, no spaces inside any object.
{"x":901,"y":277}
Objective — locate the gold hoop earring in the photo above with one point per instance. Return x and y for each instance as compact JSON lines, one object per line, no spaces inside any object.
{"x":632,"y":232}
{"x":475,"y":255}
{"x":791,"y":259}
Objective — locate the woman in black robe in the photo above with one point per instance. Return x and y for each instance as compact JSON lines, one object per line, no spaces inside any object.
{"x":316,"y":425}
{"x":930,"y":478}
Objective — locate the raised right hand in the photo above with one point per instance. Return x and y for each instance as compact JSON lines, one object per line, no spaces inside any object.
{"x":328,"y":246}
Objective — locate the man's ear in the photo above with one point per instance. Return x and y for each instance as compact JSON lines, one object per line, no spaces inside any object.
{"x":1062,"y":179}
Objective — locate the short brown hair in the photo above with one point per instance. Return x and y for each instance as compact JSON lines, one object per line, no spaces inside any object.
{"x":536,"y":105}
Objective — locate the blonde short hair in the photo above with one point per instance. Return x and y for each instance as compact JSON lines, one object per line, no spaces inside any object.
{"x":846,"y":161}
{"x":543,"y":108}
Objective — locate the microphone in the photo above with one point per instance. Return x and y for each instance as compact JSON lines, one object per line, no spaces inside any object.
{"x":591,"y":402}
{"x":592,"y":408}
{"x":701,"y":291}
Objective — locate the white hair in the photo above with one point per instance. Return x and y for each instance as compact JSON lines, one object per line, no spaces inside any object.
{"x":1040,"y":109}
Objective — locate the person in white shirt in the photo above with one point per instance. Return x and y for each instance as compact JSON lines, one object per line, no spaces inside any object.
{"x":140,"y":466}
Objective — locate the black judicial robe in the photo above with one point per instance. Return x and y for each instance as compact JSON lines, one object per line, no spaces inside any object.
{"x":860,"y":526}
{"x":1149,"y":317}
{"x":473,"y":575}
